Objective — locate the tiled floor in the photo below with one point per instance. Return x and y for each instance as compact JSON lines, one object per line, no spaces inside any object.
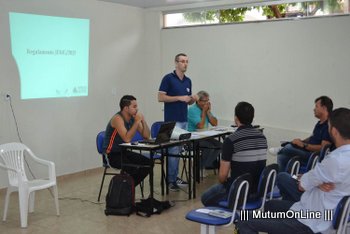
{"x":80,"y":214}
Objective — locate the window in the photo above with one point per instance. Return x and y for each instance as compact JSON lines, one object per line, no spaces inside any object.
{"x":257,"y":13}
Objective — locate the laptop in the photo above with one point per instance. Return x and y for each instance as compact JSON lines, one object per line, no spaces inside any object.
{"x":163,"y":136}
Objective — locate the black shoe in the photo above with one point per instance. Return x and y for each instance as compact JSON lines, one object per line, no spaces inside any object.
{"x":180,"y":182}
{"x":174,"y":187}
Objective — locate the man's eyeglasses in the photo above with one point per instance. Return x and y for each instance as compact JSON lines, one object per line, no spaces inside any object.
{"x":206,"y":100}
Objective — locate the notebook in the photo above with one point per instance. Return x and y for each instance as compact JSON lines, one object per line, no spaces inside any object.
{"x":163,"y":135}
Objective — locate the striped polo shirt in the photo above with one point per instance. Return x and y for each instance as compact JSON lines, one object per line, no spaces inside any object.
{"x":246,"y":150}
{"x":247,"y":144}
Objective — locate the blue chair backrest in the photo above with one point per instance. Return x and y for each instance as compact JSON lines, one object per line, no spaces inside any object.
{"x":326,"y":149}
{"x":99,"y":144}
{"x":155,"y":128}
{"x":264,"y":179}
{"x":311,"y":162}
{"x":233,"y":193}
{"x":314,"y":161}
{"x":99,"y":141}
{"x":137,"y":137}
{"x":341,"y":214}
{"x":293,"y":166}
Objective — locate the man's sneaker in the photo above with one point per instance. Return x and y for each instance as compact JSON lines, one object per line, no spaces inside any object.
{"x":274,"y":150}
{"x":180,"y":182}
{"x":174,"y":187}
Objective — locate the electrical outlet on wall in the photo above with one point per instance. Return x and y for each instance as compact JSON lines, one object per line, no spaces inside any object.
{"x":5,"y":96}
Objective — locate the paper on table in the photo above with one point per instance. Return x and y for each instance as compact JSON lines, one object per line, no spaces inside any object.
{"x":207,"y":133}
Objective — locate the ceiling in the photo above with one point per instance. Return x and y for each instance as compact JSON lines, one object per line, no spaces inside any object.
{"x":158,"y":3}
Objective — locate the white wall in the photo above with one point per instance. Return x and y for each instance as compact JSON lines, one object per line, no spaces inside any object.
{"x":63,"y":130}
{"x":280,"y":67}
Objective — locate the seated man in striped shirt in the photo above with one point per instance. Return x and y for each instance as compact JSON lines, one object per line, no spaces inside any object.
{"x":244,"y":151}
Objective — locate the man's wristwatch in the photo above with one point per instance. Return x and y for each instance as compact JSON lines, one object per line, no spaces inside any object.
{"x":305,"y":145}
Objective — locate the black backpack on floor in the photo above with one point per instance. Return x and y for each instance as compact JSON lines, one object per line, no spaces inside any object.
{"x":120,"y":199}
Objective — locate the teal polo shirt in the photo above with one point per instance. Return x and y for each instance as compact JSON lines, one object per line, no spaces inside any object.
{"x":194,"y":117}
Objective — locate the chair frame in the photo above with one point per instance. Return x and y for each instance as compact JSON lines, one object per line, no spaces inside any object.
{"x":154,"y":131}
{"x":295,"y":166}
{"x":157,"y":156}
{"x":326,"y":149}
{"x":311,"y":163}
{"x":13,"y":155}
{"x":273,"y":174}
{"x":314,"y":162}
{"x":340,"y":225}
{"x":200,"y":166}
{"x":107,"y":166}
{"x":242,"y":187}
{"x":105,"y":162}
{"x":105,"y":172}
{"x":267,"y":195}
{"x":210,"y":229}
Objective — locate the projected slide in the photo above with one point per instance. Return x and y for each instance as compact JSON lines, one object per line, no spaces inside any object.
{"x":52,"y":55}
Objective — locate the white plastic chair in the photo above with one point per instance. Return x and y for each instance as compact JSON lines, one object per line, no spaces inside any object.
{"x":13,"y":155}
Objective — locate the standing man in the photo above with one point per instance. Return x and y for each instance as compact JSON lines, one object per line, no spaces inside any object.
{"x":199,"y":117}
{"x":324,"y":186}
{"x":244,"y":151}
{"x":121,"y":129}
{"x":176,"y":92}
{"x":319,"y":137}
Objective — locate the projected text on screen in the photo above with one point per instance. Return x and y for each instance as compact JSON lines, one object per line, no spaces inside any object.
{"x":52,"y":55}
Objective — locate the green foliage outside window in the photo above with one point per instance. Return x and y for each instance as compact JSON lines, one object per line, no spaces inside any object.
{"x":270,"y":11}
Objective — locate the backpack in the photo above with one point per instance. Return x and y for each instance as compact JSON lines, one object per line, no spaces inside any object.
{"x":143,"y":207}
{"x":120,"y":199}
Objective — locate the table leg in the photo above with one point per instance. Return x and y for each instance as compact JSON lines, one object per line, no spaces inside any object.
{"x":190,"y":173}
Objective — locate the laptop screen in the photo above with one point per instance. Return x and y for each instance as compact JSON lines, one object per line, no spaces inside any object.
{"x":165,"y":132}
